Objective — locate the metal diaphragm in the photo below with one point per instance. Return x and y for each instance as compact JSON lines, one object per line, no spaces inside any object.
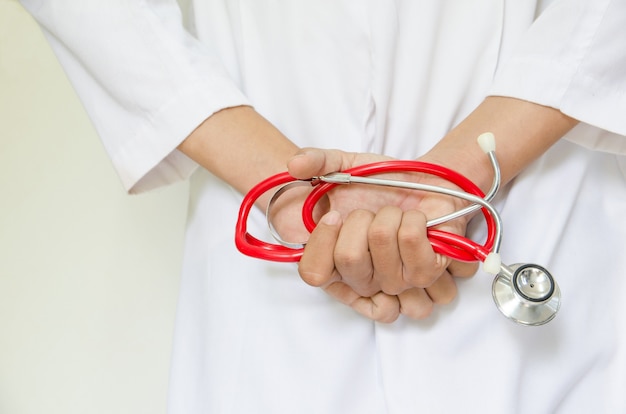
{"x":528,"y":296}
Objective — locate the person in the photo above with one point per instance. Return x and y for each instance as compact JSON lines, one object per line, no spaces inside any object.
{"x":242,"y":86}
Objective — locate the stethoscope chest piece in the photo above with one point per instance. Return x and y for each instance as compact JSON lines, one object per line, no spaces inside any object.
{"x":527,"y":294}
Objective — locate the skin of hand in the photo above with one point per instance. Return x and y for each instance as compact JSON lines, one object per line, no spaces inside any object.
{"x":370,"y":251}
{"x":380,"y":241}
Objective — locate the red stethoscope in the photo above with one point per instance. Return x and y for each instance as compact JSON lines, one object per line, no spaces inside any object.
{"x":525,"y":293}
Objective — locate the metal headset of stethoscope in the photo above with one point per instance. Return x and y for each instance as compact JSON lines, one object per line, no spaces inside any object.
{"x":525,"y":293}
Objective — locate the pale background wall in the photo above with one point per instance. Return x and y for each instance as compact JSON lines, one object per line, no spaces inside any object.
{"x":88,"y":274}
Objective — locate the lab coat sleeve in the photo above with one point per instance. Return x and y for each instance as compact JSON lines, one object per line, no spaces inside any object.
{"x":144,"y":81}
{"x":573,"y":58}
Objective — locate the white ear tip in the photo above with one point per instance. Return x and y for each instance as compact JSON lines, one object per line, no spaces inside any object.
{"x":487,"y":142}
{"x":492,"y":263}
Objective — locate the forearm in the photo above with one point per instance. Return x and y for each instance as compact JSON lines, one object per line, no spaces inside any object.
{"x":239,"y":146}
{"x":523,"y":131}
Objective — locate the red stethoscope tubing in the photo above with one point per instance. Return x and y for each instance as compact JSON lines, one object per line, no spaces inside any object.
{"x":446,"y":243}
{"x":250,"y":245}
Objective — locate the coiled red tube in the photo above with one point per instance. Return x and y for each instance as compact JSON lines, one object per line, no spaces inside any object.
{"x":449,"y":244}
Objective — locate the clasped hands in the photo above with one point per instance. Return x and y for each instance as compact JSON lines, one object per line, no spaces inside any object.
{"x":369,"y":249}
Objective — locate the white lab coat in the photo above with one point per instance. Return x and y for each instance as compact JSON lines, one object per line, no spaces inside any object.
{"x":389,"y":77}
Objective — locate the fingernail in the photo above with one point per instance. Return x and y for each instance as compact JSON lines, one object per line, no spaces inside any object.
{"x":331,"y":218}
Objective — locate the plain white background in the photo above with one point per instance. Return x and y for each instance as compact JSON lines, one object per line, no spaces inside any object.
{"x":88,"y":275}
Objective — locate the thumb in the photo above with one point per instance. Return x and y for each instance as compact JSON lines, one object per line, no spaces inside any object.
{"x":317,"y":265}
{"x":311,"y":162}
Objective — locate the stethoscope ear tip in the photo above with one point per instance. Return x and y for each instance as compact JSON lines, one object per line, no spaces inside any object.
{"x":487,"y":142}
{"x":492,"y":263}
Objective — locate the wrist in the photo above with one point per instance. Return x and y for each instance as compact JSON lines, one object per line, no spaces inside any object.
{"x":523,"y":131}
{"x":464,"y":157}
{"x":239,"y":146}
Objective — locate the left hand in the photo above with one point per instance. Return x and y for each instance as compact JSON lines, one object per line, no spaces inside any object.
{"x":318,"y":268}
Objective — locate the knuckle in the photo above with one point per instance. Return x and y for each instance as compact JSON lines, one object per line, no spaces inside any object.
{"x":365,"y":289}
{"x":409,"y":238}
{"x":385,"y":308}
{"x":391,"y":287}
{"x":422,"y":279}
{"x":381,"y":234}
{"x":427,"y":273}
{"x":348,"y":258}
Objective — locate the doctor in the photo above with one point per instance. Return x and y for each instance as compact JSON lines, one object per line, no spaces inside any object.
{"x":403,"y":79}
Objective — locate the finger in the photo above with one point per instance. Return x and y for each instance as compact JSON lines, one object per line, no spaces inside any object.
{"x":383,"y":245}
{"x":380,"y":307}
{"x":316,"y":267}
{"x":421,"y":265}
{"x":462,"y":269}
{"x":352,"y":256}
{"x":311,"y":162}
{"x":443,"y":291}
{"x":415,"y":303}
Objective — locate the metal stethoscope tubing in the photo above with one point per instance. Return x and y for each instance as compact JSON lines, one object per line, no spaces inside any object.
{"x":525,"y":293}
